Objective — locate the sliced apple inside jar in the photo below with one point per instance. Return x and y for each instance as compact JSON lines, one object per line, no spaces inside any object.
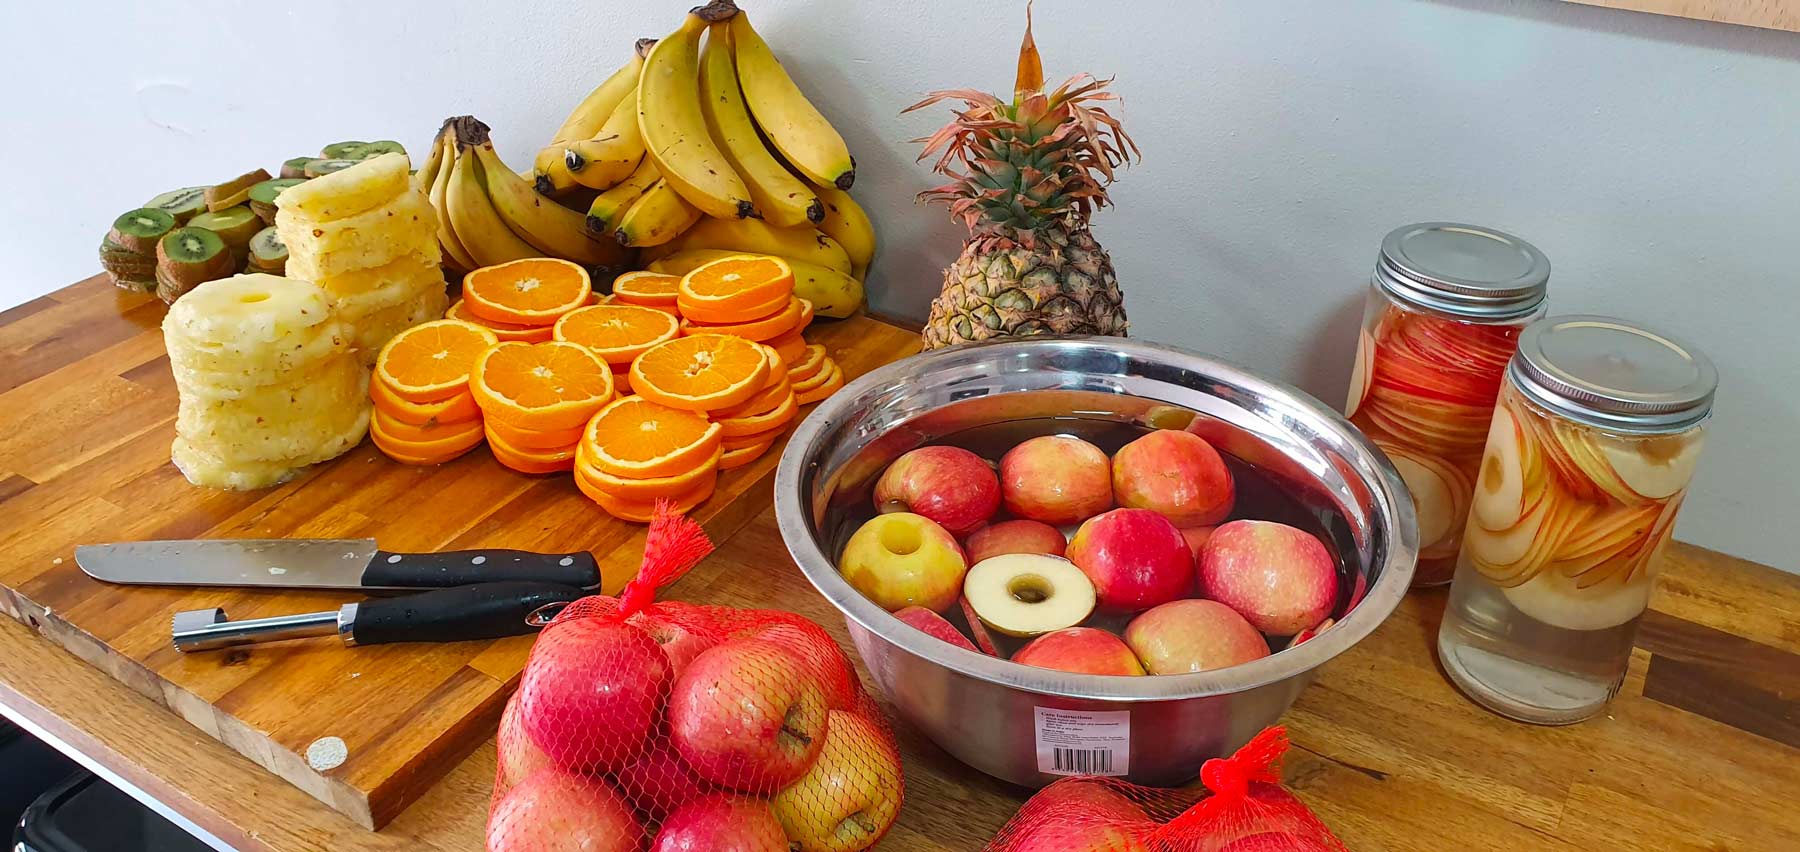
{"x":1558,"y":601}
{"x":1440,"y":495}
{"x":1652,"y":467}
{"x":1578,"y":443}
{"x":1499,"y":501}
{"x":1362,"y":369}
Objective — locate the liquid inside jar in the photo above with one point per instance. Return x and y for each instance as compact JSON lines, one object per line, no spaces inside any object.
{"x":1423,"y":390}
{"x":1566,"y":531}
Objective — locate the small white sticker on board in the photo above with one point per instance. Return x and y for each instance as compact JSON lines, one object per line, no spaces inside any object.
{"x":1077,"y":742}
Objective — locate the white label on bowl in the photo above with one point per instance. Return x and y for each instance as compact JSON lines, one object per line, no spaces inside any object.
{"x":1076,"y":742}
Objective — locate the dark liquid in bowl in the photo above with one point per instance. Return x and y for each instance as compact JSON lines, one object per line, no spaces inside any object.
{"x":1260,"y":496}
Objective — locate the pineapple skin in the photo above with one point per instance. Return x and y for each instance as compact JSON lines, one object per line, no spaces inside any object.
{"x":1057,"y":280}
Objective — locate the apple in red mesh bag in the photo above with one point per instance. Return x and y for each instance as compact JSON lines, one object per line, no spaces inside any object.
{"x":519,"y":757}
{"x":593,"y":692}
{"x":1080,"y":816}
{"x":949,"y":485}
{"x":658,"y":781}
{"x":850,"y":796}
{"x":681,"y":629}
{"x":749,"y":714}
{"x":552,"y":809}
{"x":721,"y":823}
{"x":822,"y":657}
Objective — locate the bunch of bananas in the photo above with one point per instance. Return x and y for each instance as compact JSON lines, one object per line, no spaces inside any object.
{"x":673,"y":142}
{"x":489,"y":214}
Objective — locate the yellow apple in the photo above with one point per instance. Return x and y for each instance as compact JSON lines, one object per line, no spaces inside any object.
{"x":851,"y":795}
{"x":902,"y":559}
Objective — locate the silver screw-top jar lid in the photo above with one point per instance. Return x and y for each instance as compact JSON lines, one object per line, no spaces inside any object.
{"x":1463,"y":270}
{"x":1614,"y":375}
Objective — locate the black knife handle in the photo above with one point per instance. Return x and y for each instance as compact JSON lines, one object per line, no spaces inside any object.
{"x":468,"y":567}
{"x":483,"y":611}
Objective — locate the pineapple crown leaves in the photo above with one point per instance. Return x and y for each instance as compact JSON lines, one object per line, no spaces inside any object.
{"x":1042,"y":157}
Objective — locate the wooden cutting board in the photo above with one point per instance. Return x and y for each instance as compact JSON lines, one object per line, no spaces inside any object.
{"x":87,"y":405}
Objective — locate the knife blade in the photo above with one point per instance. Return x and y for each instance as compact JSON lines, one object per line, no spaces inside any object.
{"x":480,"y":611}
{"x":296,"y":563}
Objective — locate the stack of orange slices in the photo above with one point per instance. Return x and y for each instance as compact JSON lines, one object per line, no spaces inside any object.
{"x":523,"y":299}
{"x":425,"y":412}
{"x":647,"y":290}
{"x":618,"y":333}
{"x":636,"y":451}
{"x":536,"y":398}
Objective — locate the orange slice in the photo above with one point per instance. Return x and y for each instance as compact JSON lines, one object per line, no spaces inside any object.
{"x":767,"y":328}
{"x":526,"y":460}
{"x":645,"y":490}
{"x":808,"y":364}
{"x":806,"y":314}
{"x":542,"y":386}
{"x":816,"y":379}
{"x":641,"y":511}
{"x":456,"y":409}
{"x":646,"y":288}
{"x":436,"y":451}
{"x":503,"y":330}
{"x":617,"y":333}
{"x":738,"y":442}
{"x":790,"y":346}
{"x":764,"y":401}
{"x":401,"y":431}
{"x":734,"y":459}
{"x":532,"y":439}
{"x":737,"y":288}
{"x":774,"y":418}
{"x":778,"y":368}
{"x":431,"y":361}
{"x":531,"y":291}
{"x":832,"y":384}
{"x":637,"y":438}
{"x":701,"y":372}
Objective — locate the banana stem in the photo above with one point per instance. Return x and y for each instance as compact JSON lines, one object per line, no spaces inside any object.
{"x":716,"y":11}
{"x":470,"y":131}
{"x":643,"y":47}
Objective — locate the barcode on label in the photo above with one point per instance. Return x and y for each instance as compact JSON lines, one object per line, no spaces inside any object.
{"x":1083,"y":761}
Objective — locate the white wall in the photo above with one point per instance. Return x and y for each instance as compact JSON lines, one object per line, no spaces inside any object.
{"x":1656,"y":160}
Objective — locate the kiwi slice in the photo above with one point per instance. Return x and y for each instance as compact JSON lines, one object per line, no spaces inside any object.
{"x":385,"y":146}
{"x":128,"y":269}
{"x":295,"y":168}
{"x":235,"y":191}
{"x":234,"y":225}
{"x":267,"y":249}
{"x":319,"y":168}
{"x":262,"y":197}
{"x":182,"y":203}
{"x":188,"y":257}
{"x":138,"y":230}
{"x":352,"y":150}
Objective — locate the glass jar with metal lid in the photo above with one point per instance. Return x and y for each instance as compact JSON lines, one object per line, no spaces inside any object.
{"x":1598,"y":428}
{"x":1445,"y":308}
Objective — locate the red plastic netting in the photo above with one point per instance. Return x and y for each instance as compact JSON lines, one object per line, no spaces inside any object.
{"x":663,"y":726}
{"x":1247,"y":811}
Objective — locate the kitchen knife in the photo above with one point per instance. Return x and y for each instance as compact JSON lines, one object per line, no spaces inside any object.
{"x":480,"y":611}
{"x":296,"y":563}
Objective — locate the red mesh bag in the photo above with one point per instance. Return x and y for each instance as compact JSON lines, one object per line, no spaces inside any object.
{"x":1243,"y":808}
{"x":656,"y":726}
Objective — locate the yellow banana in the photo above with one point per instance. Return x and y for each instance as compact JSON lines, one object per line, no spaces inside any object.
{"x":549,"y":227}
{"x":604,"y":212}
{"x":755,"y":237}
{"x":609,"y":157}
{"x":551,"y":169}
{"x":472,"y":216}
{"x":453,"y":249}
{"x":675,"y":133}
{"x":659,"y":215}
{"x":846,"y":222}
{"x":832,"y":293}
{"x":421,"y":179}
{"x":791,"y":122}
{"x":784,"y":201}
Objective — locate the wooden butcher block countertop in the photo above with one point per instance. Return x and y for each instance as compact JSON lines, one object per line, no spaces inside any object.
{"x":1700,"y":751}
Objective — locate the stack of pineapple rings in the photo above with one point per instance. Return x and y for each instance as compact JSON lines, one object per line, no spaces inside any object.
{"x":268,"y":380}
{"x":368,"y":237}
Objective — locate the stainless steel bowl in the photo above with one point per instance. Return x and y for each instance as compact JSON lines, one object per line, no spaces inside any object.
{"x":990,"y":713}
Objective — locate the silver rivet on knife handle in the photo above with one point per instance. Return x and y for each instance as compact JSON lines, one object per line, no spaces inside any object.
{"x":210,"y":629}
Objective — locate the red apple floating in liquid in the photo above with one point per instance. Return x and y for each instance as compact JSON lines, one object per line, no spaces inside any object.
{"x":902,"y":559}
{"x":1082,"y":650}
{"x":1280,"y":579}
{"x":721,"y":823}
{"x":1015,"y":536}
{"x":659,"y":781}
{"x":984,"y":641}
{"x":1177,"y":474}
{"x":1193,"y":635}
{"x":949,"y":485}
{"x":931,"y":624}
{"x":1135,"y":558}
{"x":850,"y":796}
{"x":748,"y":715}
{"x":1196,"y":538}
{"x":554,"y":810}
{"x":1057,"y":479}
{"x":593,"y":692}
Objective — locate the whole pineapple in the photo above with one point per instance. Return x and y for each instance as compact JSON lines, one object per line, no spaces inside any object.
{"x":1027,"y":175}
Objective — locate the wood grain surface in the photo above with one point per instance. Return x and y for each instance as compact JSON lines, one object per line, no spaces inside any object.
{"x":88,"y":404}
{"x":1768,"y":14}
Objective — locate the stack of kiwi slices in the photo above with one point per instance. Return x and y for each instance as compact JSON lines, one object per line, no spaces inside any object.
{"x":195,"y":234}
